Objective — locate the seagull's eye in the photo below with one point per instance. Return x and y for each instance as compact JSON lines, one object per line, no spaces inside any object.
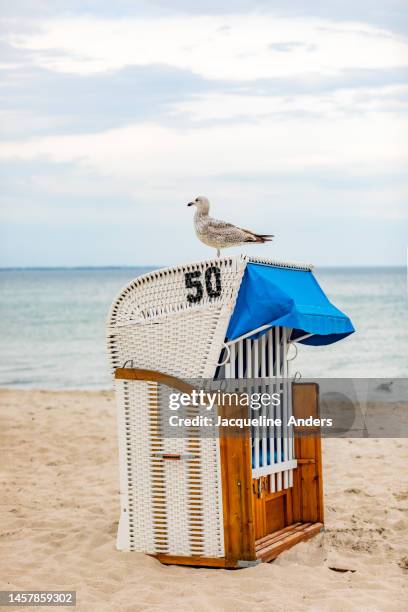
{"x":196,"y":199}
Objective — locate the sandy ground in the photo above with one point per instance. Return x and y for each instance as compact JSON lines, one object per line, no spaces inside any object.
{"x":59,"y":512}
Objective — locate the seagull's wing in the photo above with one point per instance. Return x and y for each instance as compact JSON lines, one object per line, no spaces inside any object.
{"x":252,"y":237}
{"x":228,"y":233}
{"x":234,"y":233}
{"x":218,"y":223}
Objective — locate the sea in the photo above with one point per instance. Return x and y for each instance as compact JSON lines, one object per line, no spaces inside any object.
{"x":52,"y":326}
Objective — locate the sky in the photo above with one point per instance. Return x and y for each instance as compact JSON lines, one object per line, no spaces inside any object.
{"x":290,"y":116}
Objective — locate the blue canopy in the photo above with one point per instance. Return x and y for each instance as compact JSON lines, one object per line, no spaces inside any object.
{"x":286,"y":297}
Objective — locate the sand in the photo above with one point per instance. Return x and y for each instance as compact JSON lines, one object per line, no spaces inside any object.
{"x":59,"y":512}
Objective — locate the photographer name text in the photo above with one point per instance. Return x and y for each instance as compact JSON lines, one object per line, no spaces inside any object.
{"x":252,"y":401}
{"x":261,"y":421}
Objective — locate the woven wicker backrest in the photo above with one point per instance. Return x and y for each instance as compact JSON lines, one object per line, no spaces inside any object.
{"x":174,"y":320}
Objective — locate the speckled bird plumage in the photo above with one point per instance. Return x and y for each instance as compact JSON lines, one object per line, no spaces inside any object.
{"x":220,"y":234}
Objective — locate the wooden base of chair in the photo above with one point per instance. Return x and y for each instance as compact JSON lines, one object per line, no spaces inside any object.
{"x":271,"y":546}
{"x":192,"y":561}
{"x":267,"y":548}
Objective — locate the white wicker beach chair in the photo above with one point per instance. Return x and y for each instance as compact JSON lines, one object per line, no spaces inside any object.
{"x":173,"y":323}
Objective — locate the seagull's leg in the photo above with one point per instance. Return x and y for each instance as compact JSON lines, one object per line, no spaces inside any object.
{"x":218,"y":253}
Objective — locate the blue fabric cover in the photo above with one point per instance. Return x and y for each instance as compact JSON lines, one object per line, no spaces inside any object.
{"x":287,"y":298}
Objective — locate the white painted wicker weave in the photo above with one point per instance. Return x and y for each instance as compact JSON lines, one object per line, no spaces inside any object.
{"x":172,"y":507}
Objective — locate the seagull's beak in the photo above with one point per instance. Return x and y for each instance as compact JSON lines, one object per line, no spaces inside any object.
{"x":190,"y":204}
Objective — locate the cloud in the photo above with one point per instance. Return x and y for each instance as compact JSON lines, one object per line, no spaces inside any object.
{"x":291,"y":45}
{"x":145,"y":149}
{"x":37,"y":101}
{"x":390,"y":14}
{"x":227,"y":107}
{"x":293,"y":122}
{"x":243,"y":51}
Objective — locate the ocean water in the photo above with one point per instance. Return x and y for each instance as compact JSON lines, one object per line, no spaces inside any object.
{"x":52,"y":326}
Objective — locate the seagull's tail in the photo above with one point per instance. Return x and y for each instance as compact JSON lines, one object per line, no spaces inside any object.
{"x":260,"y":238}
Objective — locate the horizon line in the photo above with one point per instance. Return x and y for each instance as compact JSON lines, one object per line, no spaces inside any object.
{"x":157,"y":266}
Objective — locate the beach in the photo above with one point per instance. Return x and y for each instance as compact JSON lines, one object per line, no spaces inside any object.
{"x":60,"y":507}
{"x":203,"y":262}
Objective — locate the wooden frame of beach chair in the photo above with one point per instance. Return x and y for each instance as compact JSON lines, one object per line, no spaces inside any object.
{"x":217,"y":501}
{"x":257,"y":524}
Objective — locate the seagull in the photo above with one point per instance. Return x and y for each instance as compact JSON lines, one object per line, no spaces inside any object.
{"x":219,"y":234}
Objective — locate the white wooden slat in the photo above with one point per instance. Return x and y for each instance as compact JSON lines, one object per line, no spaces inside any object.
{"x":255,"y":354}
{"x":248,"y":358}
{"x":285,"y":406}
{"x":240,"y":360}
{"x":255,"y":374}
{"x":232,"y":361}
{"x":263,"y":410}
{"x":264,"y":356}
{"x":291,"y":450}
{"x":279,"y":407}
{"x":271,"y":435}
{"x":240,"y":365}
